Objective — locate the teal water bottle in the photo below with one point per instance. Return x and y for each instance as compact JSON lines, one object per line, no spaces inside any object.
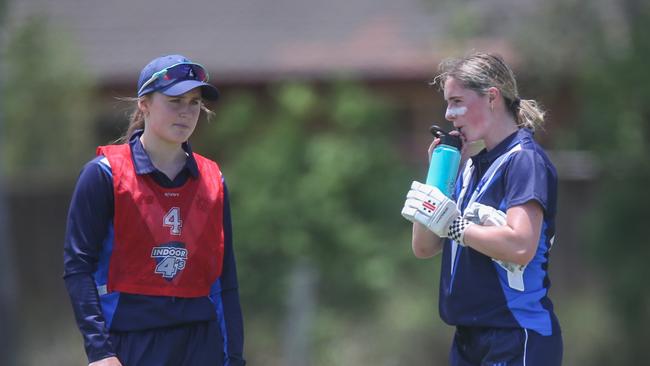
{"x":445,"y":161}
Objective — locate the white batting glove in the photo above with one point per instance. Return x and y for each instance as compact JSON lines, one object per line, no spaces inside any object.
{"x":484,"y":215}
{"x":428,"y":206}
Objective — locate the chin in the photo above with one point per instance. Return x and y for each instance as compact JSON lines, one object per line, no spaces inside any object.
{"x":177,"y":140}
{"x":467,"y":139}
{"x":182,"y":135}
{"x":474,"y":147}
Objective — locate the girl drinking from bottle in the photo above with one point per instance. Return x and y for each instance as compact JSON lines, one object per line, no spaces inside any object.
{"x":497,"y":228}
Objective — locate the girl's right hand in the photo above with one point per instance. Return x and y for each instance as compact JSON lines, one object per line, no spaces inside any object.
{"x":110,"y":361}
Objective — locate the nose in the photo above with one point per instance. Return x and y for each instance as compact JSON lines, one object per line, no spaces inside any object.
{"x":449,"y":116}
{"x":454,"y":112}
{"x":185,"y":110}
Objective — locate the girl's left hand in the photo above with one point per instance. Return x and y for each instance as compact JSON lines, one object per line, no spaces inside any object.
{"x":433,"y":145}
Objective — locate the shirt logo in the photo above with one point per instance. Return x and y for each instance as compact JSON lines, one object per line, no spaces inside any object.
{"x":170,"y":259}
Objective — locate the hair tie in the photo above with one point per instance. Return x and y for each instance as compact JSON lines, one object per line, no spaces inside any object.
{"x":515,"y":103}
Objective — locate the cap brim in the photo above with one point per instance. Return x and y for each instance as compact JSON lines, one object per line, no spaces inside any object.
{"x":208,"y":91}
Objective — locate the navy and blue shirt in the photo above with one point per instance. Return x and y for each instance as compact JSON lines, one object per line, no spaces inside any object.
{"x":474,"y":289}
{"x":88,"y":236}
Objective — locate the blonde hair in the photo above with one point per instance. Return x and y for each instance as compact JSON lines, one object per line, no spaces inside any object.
{"x":136,"y":118}
{"x":481,"y":71}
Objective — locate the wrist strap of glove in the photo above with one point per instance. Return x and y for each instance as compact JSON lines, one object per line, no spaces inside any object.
{"x":457,"y":230}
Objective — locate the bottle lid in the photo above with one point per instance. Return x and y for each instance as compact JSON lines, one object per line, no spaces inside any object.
{"x":445,"y":137}
{"x":451,"y":140}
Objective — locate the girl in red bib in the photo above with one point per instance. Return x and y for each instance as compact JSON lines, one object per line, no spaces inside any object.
{"x":149,"y":262}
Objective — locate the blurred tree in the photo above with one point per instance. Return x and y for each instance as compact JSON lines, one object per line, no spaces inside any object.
{"x":314,"y":179}
{"x":615,"y":124}
{"x":7,"y":272}
{"x":47,"y":102}
{"x":46,"y":133}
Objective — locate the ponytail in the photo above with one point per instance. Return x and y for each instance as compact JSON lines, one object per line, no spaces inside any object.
{"x":136,"y":122}
{"x":530,"y":114}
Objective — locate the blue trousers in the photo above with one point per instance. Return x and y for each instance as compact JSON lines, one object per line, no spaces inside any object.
{"x":477,"y":346}
{"x":187,"y":345}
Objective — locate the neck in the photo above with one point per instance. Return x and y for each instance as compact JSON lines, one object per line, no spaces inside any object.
{"x":166,"y":157}
{"x":499,"y":130}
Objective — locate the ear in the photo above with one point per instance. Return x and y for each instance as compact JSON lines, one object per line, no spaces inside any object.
{"x":493,"y":94}
{"x":143,"y":105}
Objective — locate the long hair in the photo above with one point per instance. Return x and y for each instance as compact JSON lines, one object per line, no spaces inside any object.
{"x":481,"y":71}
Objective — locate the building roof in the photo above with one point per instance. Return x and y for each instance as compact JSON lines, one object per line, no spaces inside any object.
{"x":254,"y":39}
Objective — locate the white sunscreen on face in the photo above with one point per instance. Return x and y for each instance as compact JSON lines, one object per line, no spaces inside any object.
{"x":454,"y":112}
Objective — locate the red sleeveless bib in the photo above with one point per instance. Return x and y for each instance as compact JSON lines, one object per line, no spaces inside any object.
{"x":167,"y":241}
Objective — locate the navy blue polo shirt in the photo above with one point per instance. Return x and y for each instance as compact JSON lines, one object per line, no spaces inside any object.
{"x":87,"y":250}
{"x":474,"y":289}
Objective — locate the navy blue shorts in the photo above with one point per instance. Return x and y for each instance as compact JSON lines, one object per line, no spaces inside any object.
{"x":477,"y":346}
{"x":186,"y":345}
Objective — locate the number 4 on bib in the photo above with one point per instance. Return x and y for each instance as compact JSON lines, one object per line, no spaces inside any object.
{"x":173,"y":220}
{"x":167,"y":267}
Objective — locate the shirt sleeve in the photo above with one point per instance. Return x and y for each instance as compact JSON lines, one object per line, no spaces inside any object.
{"x":89,"y":216}
{"x":527,"y":178}
{"x":225,"y":296}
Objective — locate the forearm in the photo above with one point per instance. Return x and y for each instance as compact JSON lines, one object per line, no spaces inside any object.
{"x":511,"y":237}
{"x":88,"y":315}
{"x":498,"y":242}
{"x":425,"y":244}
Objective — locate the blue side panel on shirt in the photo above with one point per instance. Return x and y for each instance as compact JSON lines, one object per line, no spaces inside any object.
{"x":526,"y":307}
{"x":108,"y":301}
{"x":215,"y":297}
{"x":101,"y":275}
{"x":109,"y":305}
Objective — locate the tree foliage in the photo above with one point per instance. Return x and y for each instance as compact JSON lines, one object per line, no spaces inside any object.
{"x":47,"y":102}
{"x":615,"y":124}
{"x":314,"y":175}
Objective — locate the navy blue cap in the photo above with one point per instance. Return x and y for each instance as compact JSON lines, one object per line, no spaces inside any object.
{"x":177,"y":87}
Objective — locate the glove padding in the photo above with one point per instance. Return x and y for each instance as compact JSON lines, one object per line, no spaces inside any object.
{"x":484,"y":215}
{"x":428,"y":206}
